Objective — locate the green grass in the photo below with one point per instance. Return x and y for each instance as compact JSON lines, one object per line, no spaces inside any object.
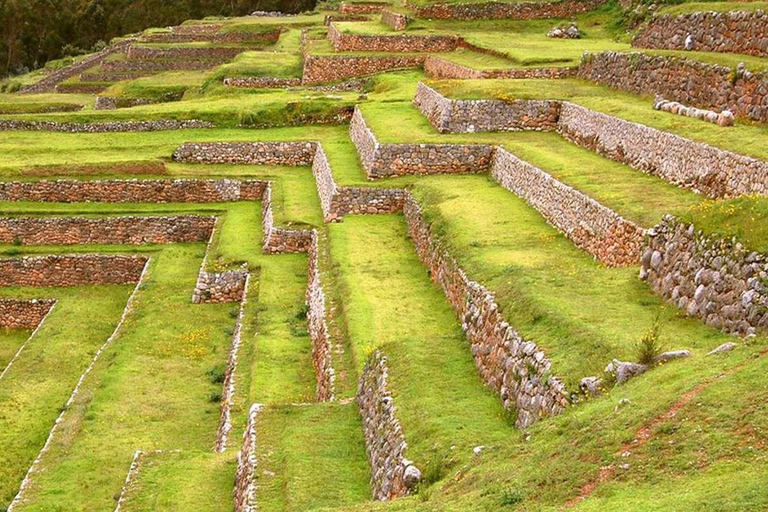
{"x":390,"y":304}
{"x":10,"y":342}
{"x":302,"y":449}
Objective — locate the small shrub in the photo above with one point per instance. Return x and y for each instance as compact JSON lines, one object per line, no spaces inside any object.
{"x":216,"y":375}
{"x":13,"y":87}
{"x":214,"y":397}
{"x":16,"y":241}
{"x":650,"y":345}
{"x":511,"y":496}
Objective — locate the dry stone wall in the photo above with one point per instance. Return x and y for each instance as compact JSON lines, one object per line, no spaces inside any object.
{"x":322,"y":359}
{"x":344,"y":42}
{"x":594,"y":228}
{"x":690,"y":82}
{"x":280,"y":240}
{"x":245,"y":487}
{"x":716,"y":280}
{"x":70,"y":270}
{"x":392,"y":475}
{"x":52,"y":80}
{"x":109,"y":230}
{"x":133,"y":191}
{"x":383,"y":160}
{"x":261,"y":82}
{"x":395,"y":20}
{"x":515,"y":368}
{"x":730,"y":32}
{"x":157,"y":65}
{"x":105,"y":127}
{"x":215,"y":287}
{"x":469,"y":116}
{"x":362,"y":7}
{"x":505,"y":10}
{"x":438,"y":68}
{"x":700,"y":167}
{"x":137,"y":52}
{"x":255,"y":153}
{"x":334,"y":68}
{"x":23,"y":314}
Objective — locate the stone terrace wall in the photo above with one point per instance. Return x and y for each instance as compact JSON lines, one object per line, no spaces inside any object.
{"x":392,"y":475}
{"x":245,"y":487}
{"x":503,"y":10}
{"x":280,"y":240}
{"x":214,"y":287}
{"x":318,"y":329}
{"x":343,"y":42}
{"x":262,"y":82}
{"x":731,"y":32}
{"x":122,"y":66}
{"x":716,"y":280}
{"x":469,"y":116}
{"x":105,"y":127}
{"x":256,"y":153}
{"x":70,"y":270}
{"x":23,"y":314}
{"x":594,"y":228}
{"x":184,"y":52}
{"x":228,"y":37}
{"x":711,"y":171}
{"x":108,"y":230}
{"x":687,"y":81}
{"x":52,"y":80}
{"x":362,"y":7}
{"x":383,"y":160}
{"x":395,"y":20}
{"x":321,"y":68}
{"x":516,"y":369}
{"x":133,"y":191}
{"x":439,"y":68}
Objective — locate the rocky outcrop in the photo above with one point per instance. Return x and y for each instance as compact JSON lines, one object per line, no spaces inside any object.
{"x":322,"y":353}
{"x":70,"y":270}
{"x":729,"y":32}
{"x":131,"y":230}
{"x":718,"y":281}
{"x":384,"y":160}
{"x":348,"y":42}
{"x":700,"y":167}
{"x":133,"y":191}
{"x":245,"y":487}
{"x":392,"y":475}
{"x":591,"y":226}
{"x":333,"y":68}
{"x":24,"y":314}
{"x":688,"y":81}
{"x":105,"y":126}
{"x":470,"y":116}
{"x":505,"y":10}
{"x":438,"y":68}
{"x":518,"y":370}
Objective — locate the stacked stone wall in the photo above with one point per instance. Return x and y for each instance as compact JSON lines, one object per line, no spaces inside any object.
{"x":157,"y":65}
{"x":256,"y":153}
{"x":383,"y":160}
{"x":469,"y":116}
{"x":113,"y":103}
{"x":700,"y":167}
{"x":52,"y":80}
{"x":326,"y":186}
{"x":594,"y":228}
{"x":280,"y":240}
{"x":245,"y":487}
{"x":322,"y":359}
{"x":70,"y":270}
{"x":262,"y":82}
{"x":23,"y":314}
{"x":112,"y":77}
{"x":505,"y":10}
{"x":321,"y":68}
{"x":362,"y":7}
{"x":690,"y":82}
{"x":184,"y":52}
{"x":75,"y":88}
{"x":515,"y":368}
{"x":392,"y":475}
{"x":219,"y":37}
{"x":109,"y":230}
{"x":730,"y":32}
{"x":133,"y":191}
{"x":439,"y":68}
{"x":198,"y":28}
{"x":215,"y":287}
{"x":105,"y":127}
{"x":716,"y":280}
{"x":343,"y":42}
{"x":395,"y":20}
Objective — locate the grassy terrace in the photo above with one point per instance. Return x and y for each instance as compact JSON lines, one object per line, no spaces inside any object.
{"x":390,"y":304}
{"x":10,"y":342}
